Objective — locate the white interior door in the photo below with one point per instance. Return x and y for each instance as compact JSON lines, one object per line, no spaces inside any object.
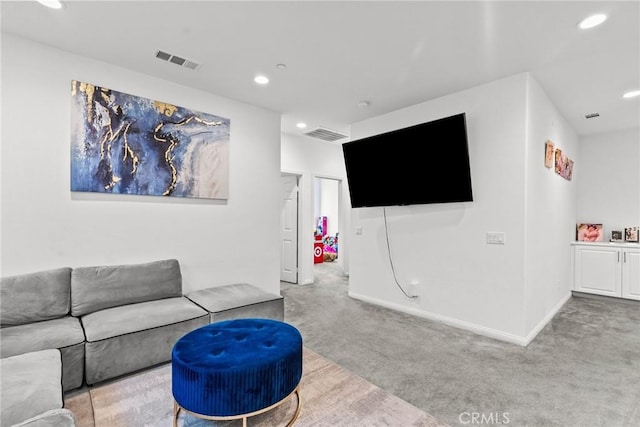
{"x":289,"y":229}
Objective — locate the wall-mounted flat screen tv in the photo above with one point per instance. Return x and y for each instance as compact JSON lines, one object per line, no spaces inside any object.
{"x":421,"y":164}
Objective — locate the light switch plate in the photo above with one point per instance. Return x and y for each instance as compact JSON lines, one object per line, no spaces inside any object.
{"x":496,"y":237}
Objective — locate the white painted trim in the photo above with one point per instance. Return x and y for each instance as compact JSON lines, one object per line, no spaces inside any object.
{"x":540,"y":326}
{"x":480,"y":330}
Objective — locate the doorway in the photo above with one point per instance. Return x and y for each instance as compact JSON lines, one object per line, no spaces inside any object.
{"x":326,"y":213}
{"x":299,"y":197}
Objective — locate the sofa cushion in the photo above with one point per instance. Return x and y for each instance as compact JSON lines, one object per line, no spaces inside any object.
{"x":35,"y":296}
{"x":113,"y":357}
{"x":97,"y":288}
{"x":116,"y":321}
{"x":227,"y":297}
{"x":31,"y":385}
{"x":239,"y":300}
{"x":55,"y":333}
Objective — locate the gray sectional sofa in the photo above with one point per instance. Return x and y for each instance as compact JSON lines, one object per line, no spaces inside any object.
{"x":108,"y":321}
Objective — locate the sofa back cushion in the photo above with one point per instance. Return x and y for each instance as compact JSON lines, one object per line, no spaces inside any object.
{"x":97,"y":288}
{"x":33,"y":297}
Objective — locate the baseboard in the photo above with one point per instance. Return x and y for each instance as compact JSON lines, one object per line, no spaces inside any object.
{"x":616,"y":300}
{"x":480,"y":330}
{"x":540,"y":326}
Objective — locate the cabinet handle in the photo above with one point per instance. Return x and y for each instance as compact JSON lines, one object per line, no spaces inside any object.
{"x":625,"y":257}
{"x":618,"y":256}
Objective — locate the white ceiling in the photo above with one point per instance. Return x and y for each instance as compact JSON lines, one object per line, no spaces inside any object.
{"x":391,"y":53}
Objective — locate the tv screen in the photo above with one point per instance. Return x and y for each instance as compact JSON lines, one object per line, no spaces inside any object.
{"x":421,"y":164}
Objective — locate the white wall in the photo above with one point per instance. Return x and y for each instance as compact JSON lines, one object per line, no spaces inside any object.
{"x":462,"y":279}
{"x":550,"y":207}
{"x":329,"y":206}
{"x":45,"y":226}
{"x":609,"y":184}
{"x":311,"y":159}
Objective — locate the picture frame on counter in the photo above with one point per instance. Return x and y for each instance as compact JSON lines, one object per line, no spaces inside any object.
{"x":589,"y":232}
{"x":631,"y":234}
{"x":616,"y":236}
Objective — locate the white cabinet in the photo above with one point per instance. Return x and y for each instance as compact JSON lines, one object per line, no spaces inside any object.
{"x":611,"y":269}
{"x":631,"y":273}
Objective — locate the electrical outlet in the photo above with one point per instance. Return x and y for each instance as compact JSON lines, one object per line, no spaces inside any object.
{"x":412,"y":290}
{"x":496,"y":237}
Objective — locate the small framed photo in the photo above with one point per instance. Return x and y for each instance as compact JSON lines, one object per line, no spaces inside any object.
{"x":616,"y":236}
{"x":589,"y":232}
{"x":559,"y":161}
{"x":548,"y":154}
{"x":631,"y":234}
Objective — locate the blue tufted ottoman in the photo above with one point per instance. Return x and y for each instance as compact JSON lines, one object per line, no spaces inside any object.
{"x":235,"y":369}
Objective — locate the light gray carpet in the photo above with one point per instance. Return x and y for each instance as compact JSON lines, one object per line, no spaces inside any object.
{"x":331,"y":396}
{"x":583,"y":369}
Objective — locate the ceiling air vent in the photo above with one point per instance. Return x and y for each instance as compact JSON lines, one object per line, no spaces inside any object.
{"x":177,"y":60}
{"x":591,"y":116}
{"x":325,"y":134}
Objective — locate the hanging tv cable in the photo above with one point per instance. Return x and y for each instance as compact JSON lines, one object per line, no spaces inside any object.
{"x":393,"y":270}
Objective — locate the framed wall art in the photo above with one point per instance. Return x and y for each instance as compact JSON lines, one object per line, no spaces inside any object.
{"x":126,"y":144}
{"x":616,"y":236}
{"x":559,"y":161}
{"x":563,"y":165}
{"x":548,"y":154}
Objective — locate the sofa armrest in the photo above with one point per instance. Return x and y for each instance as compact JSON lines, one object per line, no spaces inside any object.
{"x":53,"y":418}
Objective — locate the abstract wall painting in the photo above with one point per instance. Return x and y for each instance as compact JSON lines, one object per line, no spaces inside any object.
{"x":125,"y":144}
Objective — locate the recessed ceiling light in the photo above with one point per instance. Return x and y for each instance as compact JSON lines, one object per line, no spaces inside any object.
{"x":301,"y":125}
{"x":281,"y":66}
{"x":592,"y":21}
{"x":261,"y":80}
{"x":364,"y":104}
{"x":53,"y":4}
{"x":632,"y":94}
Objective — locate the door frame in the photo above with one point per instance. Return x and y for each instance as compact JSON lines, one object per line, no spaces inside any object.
{"x":298,"y":219}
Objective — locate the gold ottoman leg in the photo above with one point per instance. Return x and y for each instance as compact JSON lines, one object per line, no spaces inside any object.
{"x":176,"y":411}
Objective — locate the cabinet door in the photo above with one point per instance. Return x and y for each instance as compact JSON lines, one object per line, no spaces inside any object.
{"x":631,"y":273}
{"x":597,"y":270}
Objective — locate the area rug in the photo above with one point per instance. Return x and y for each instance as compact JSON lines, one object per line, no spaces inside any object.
{"x":331,"y":396}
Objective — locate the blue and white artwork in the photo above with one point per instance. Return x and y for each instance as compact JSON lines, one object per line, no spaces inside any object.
{"x":126,"y":144}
